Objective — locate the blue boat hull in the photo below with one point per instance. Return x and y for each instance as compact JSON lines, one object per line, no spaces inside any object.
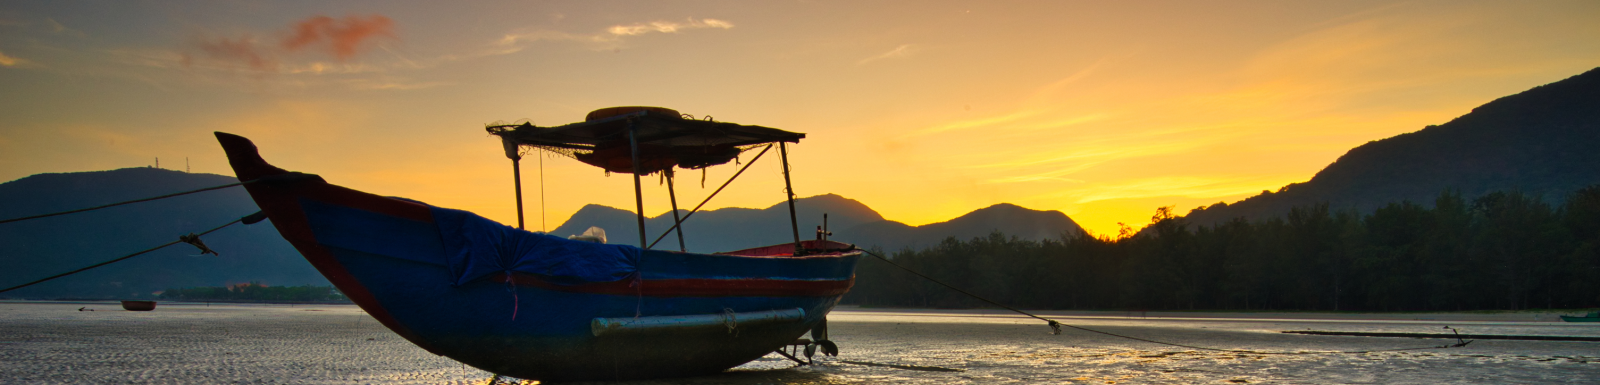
{"x":392,"y":257}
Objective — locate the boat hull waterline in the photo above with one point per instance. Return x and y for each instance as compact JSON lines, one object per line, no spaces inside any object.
{"x":1591,"y":317}
{"x":530,"y":305}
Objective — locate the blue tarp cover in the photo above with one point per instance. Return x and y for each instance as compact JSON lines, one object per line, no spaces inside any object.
{"x":475,"y":247}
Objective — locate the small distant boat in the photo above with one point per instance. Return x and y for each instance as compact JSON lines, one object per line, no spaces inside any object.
{"x":542,"y":307}
{"x":138,"y":305}
{"x":1593,"y":316}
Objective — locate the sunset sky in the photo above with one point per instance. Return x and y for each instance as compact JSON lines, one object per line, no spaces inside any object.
{"x":923,"y":110}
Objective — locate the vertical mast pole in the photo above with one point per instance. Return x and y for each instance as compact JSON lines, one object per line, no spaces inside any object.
{"x":788,"y":189}
{"x":638,"y":192}
{"x":542,"y":225}
{"x":513,"y":152}
{"x":516,"y":176}
{"x":673,"y":195}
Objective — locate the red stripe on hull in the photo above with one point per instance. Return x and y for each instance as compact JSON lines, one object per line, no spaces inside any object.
{"x":691,"y":287}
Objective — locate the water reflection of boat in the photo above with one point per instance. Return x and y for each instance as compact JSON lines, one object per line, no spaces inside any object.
{"x":537,"y":306}
{"x":1593,"y":316}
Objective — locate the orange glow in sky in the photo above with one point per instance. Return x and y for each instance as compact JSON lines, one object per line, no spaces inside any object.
{"x":922,"y":110}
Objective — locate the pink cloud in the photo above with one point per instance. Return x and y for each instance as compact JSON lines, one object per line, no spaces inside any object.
{"x":343,"y":38}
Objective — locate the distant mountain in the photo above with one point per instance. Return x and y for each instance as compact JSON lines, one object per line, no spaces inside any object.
{"x":1544,"y":141}
{"x":39,"y":248}
{"x":1009,"y":219}
{"x":850,"y":221}
{"x":724,"y":229}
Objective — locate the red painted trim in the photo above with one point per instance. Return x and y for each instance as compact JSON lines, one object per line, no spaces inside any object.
{"x":786,"y":250}
{"x":749,"y":287}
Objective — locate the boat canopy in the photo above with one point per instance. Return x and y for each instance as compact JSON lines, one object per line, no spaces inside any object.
{"x":645,"y":140}
{"x":664,"y":139}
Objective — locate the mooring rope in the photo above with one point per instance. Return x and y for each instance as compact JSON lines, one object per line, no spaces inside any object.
{"x":284,"y":177}
{"x":1055,"y":325}
{"x":127,"y":202}
{"x":181,"y":239}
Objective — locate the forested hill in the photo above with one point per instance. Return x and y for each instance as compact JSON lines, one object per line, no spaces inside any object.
{"x":40,"y":248}
{"x":1544,"y":142}
{"x":851,"y":221}
{"x":1500,"y":251}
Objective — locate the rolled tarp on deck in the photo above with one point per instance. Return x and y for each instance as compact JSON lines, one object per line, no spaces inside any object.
{"x":475,"y":247}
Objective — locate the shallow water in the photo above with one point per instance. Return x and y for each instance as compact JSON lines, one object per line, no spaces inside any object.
{"x":326,"y":344}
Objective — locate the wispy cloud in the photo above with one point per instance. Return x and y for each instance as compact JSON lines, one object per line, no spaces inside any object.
{"x":1067,"y":121}
{"x":611,"y":38}
{"x":903,"y":50}
{"x":9,"y":61}
{"x":517,"y":41}
{"x":1041,"y":105}
{"x":1055,"y":167}
{"x":388,"y":84}
{"x":327,"y":68}
{"x":244,"y":50}
{"x":57,"y":28}
{"x":1089,"y":152}
{"x":1172,"y":186}
{"x":979,"y":122}
{"x":1049,"y":90}
{"x":666,"y":27}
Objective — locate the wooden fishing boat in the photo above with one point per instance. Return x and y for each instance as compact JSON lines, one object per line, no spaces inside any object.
{"x":1593,"y":316}
{"x":138,"y":305}
{"x":543,"y":307}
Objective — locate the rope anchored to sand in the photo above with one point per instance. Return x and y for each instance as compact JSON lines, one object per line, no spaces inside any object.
{"x":267,"y":179}
{"x":1055,"y":326}
{"x":181,"y":239}
{"x":191,"y":238}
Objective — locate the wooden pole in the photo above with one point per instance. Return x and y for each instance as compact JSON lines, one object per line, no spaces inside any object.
{"x":516,"y":175}
{"x":673,"y":195}
{"x":543,"y":226}
{"x":513,"y":151}
{"x":638,"y":191}
{"x":788,"y":189}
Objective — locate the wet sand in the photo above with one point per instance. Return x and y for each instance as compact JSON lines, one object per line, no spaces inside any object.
{"x":43,"y":343}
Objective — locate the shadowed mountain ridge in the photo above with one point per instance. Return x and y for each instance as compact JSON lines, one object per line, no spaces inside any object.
{"x":1542,"y":142}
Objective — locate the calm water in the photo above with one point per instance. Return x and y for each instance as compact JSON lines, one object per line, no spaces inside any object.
{"x":277,"y":344}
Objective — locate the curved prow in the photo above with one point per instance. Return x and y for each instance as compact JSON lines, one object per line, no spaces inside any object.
{"x":245,"y":159}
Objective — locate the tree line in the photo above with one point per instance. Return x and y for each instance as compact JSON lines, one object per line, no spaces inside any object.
{"x":256,"y":292}
{"x":1500,"y":251}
